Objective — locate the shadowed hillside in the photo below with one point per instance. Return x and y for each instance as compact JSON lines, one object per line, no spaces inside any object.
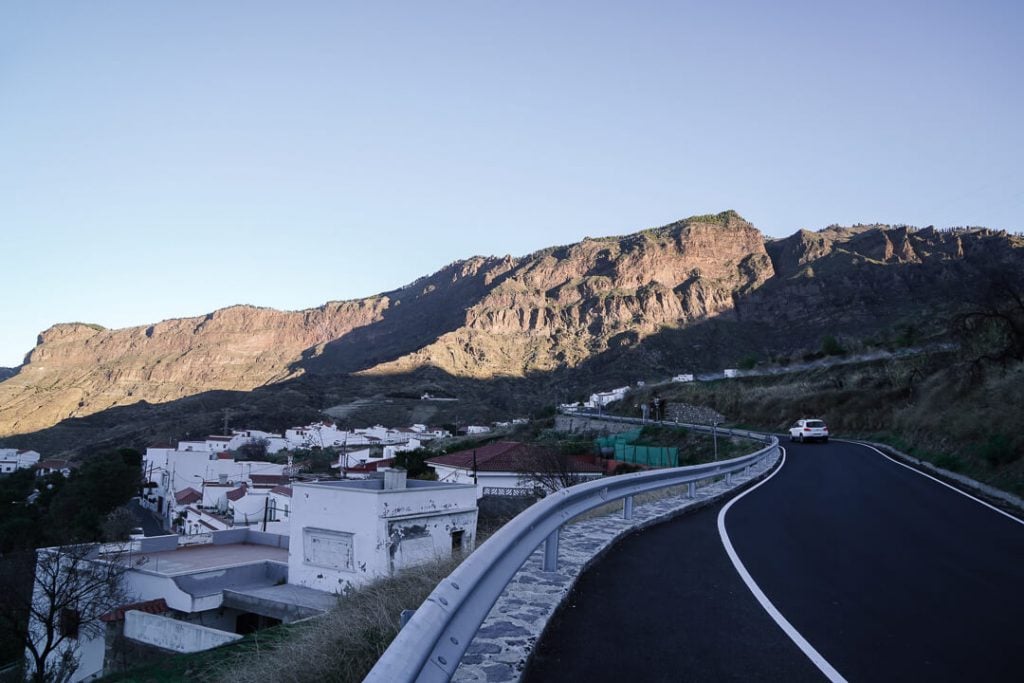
{"x":508,"y":335}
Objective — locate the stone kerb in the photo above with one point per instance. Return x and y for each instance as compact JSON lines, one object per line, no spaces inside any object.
{"x":502,"y":645}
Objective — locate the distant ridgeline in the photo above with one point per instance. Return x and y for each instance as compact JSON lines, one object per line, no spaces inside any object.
{"x":702,"y":293}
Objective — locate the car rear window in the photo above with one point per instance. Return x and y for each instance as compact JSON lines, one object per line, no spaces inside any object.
{"x":815,"y":423}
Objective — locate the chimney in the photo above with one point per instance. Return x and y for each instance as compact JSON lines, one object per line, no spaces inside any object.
{"x":394,"y":478}
{"x":223,"y":477}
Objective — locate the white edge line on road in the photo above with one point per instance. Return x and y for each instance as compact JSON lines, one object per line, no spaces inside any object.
{"x":774,"y":613}
{"x":939,"y":481}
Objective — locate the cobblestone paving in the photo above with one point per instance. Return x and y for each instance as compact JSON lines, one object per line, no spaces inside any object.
{"x":505,"y":640}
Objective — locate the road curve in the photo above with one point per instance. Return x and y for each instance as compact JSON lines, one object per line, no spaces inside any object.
{"x":886,"y":573}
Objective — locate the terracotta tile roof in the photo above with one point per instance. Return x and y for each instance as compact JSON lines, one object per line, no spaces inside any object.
{"x":225,"y":455}
{"x":282,"y":490}
{"x":503,"y":456}
{"x":218,"y":438}
{"x":268,"y":479}
{"x":187,"y":496}
{"x":158,"y":606}
{"x":53,"y":464}
{"x":371,"y":466}
{"x":237,"y":493}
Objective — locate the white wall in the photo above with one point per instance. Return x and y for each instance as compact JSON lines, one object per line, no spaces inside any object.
{"x":348,"y":533}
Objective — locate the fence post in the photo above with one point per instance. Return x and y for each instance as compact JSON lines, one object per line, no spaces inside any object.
{"x":627,"y":507}
{"x":551,"y":552}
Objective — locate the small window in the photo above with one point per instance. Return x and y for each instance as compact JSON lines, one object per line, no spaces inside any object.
{"x":457,"y":540}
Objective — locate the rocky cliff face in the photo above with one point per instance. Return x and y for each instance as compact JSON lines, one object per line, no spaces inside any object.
{"x":555,"y":310}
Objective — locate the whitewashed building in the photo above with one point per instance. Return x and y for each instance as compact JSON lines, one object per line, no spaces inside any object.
{"x":603,"y":398}
{"x":193,"y":594}
{"x":12,"y":459}
{"x":346,"y":533}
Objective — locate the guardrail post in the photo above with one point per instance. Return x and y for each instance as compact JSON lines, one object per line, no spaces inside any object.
{"x":627,"y":507}
{"x":728,"y":478}
{"x":551,"y":553}
{"x":691,"y":490}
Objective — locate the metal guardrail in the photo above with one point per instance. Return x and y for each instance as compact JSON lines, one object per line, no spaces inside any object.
{"x":430,"y":646}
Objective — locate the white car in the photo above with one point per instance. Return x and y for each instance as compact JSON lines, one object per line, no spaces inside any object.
{"x":809,"y":430}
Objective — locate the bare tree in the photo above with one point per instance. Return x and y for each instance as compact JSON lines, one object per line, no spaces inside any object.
{"x":72,"y":587}
{"x":549,"y":469}
{"x":990,"y":325}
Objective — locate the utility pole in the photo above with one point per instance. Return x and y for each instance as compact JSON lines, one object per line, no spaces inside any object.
{"x":714,"y":436}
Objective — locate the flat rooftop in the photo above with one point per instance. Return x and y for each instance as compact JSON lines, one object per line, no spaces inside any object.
{"x":188,"y":559}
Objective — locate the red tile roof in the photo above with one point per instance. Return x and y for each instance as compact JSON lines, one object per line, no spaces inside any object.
{"x":53,"y":464}
{"x":187,"y":496}
{"x":282,"y":490}
{"x":237,"y":493}
{"x":503,"y":456}
{"x":268,"y":479}
{"x":158,"y":606}
{"x":371,"y":466}
{"x":225,"y":455}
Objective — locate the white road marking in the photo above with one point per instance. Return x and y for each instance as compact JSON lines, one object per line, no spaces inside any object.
{"x":948,"y":486}
{"x":772,"y":611}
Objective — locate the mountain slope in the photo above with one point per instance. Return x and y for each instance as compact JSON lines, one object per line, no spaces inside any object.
{"x":692,"y":295}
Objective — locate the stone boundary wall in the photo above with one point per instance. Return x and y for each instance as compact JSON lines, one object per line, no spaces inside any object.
{"x":581,"y":423}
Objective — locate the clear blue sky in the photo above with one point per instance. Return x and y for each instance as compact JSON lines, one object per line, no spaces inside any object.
{"x":163,"y":159}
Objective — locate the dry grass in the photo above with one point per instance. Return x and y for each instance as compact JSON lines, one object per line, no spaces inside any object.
{"x":936,"y":407}
{"x":342,"y":645}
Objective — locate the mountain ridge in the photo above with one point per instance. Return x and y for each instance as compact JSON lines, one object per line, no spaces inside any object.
{"x":642,"y":300}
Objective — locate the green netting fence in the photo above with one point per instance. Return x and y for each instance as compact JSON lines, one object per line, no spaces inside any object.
{"x":624,"y":450}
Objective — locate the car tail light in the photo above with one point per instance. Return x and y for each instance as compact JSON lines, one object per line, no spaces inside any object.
{"x":807,"y":429}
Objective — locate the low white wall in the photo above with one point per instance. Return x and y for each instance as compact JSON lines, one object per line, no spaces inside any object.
{"x":171,"y":634}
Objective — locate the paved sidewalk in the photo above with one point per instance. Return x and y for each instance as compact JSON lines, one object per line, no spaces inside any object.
{"x":505,"y":640}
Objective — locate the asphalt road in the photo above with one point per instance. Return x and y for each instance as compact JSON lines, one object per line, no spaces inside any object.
{"x":886,"y":574}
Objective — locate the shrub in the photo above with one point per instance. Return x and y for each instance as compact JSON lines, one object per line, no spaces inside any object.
{"x":345,"y":643}
{"x":830,"y":346}
{"x":998,"y":450}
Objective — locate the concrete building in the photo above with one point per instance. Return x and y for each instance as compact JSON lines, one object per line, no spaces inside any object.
{"x":188,"y":597}
{"x":347,"y":533}
{"x":12,"y":459}
{"x":603,"y":398}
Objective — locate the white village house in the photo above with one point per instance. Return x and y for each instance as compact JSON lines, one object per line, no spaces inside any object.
{"x":189,"y":594}
{"x":388,"y":524}
{"x":13,"y":459}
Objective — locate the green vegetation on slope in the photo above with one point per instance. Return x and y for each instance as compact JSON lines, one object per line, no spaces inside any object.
{"x":959,"y":415}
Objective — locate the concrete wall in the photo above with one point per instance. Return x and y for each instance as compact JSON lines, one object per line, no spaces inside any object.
{"x":170,"y":634}
{"x":580,"y":423}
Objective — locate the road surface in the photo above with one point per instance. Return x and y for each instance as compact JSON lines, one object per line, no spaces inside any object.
{"x":878,"y":572}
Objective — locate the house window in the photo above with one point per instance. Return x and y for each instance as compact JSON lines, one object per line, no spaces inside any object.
{"x":70,"y":620}
{"x":272,"y":511}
